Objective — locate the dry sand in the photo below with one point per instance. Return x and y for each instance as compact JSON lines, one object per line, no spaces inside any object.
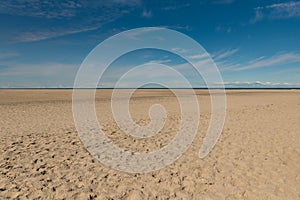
{"x":256,"y":157}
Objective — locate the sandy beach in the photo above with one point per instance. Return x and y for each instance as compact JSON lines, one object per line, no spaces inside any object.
{"x":257,"y":155}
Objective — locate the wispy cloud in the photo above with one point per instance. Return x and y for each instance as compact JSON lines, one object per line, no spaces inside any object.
{"x":294,"y":70}
{"x":30,"y":70}
{"x":199,"y":56}
{"x":175,"y":7}
{"x":64,"y":16}
{"x":128,"y":2}
{"x":147,"y":13}
{"x":37,"y":75}
{"x":179,"y":50}
{"x":279,"y":59}
{"x":177,"y":27}
{"x":48,"y":34}
{"x":225,"y":54}
{"x":42,"y":9}
{"x":160,"y":61}
{"x":223,"y":29}
{"x":223,"y":1}
{"x":277,"y":11}
{"x":255,"y":84}
{"x":7,"y":55}
{"x":258,"y":15}
{"x":59,"y":9}
{"x":251,"y":83}
{"x":157,"y":72}
{"x":138,"y":34}
{"x":221,"y":58}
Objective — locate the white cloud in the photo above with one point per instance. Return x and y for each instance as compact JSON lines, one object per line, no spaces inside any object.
{"x":37,"y":75}
{"x":223,"y":1}
{"x":41,"y":9}
{"x":278,"y":59}
{"x":60,"y":9}
{"x":137,"y":33}
{"x":223,"y":29}
{"x":127,"y":2}
{"x":294,"y":70}
{"x":6,"y":55}
{"x":225,"y":54}
{"x":253,"y":84}
{"x":66,"y":13}
{"x":49,"y":69}
{"x":285,"y":10}
{"x":277,"y":11}
{"x":177,"y":27}
{"x":156,"y":73}
{"x":147,"y":13}
{"x":258,"y":15}
{"x":146,"y":73}
{"x":175,"y":7}
{"x":43,"y":35}
{"x":179,"y":50}
{"x":199,"y":56}
{"x":160,"y":61}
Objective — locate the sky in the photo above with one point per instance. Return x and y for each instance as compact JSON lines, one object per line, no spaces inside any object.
{"x":253,"y":43}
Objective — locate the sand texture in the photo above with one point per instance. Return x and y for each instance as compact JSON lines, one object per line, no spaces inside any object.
{"x":256,"y":157}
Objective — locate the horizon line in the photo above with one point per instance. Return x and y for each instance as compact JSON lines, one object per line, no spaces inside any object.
{"x":154,"y":88}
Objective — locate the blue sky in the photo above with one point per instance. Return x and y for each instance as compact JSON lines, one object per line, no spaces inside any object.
{"x":253,"y":43}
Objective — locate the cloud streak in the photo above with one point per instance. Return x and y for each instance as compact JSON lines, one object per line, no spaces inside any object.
{"x":147,"y":13}
{"x":277,"y":11}
{"x":58,"y":32}
{"x":37,"y":70}
{"x":59,"y":9}
{"x":7,"y":55}
{"x":225,"y":54}
{"x":64,"y":17}
{"x":223,"y":1}
{"x":257,"y":84}
{"x":263,"y":62}
{"x":175,"y":7}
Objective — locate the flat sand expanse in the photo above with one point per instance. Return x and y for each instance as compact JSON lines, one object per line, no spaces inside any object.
{"x":256,"y":157}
